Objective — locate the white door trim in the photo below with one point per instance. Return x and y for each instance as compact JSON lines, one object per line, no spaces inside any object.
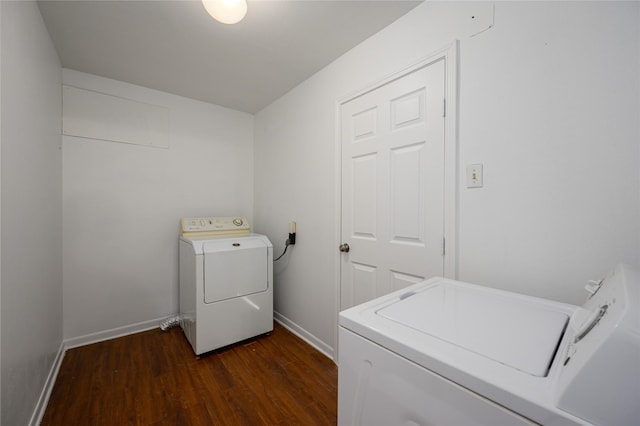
{"x":450,"y":55}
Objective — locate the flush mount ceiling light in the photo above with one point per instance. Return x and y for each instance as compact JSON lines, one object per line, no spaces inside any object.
{"x":226,"y":11}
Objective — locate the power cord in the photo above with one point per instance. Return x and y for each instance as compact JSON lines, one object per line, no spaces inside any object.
{"x":290,"y":241}
{"x":286,"y":246}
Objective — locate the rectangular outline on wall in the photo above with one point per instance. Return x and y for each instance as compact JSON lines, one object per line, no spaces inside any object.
{"x":157,"y":137}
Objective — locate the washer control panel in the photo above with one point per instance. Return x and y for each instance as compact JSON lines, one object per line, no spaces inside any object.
{"x":214,"y":225}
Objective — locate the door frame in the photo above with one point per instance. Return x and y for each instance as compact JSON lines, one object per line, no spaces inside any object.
{"x":450,"y":55}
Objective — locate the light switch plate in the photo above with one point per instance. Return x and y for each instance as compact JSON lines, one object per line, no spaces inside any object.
{"x":474,"y":176}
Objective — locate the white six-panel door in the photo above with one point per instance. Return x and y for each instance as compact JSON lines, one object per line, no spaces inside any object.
{"x":393,"y":148}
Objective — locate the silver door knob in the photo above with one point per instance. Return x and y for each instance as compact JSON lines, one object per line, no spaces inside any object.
{"x":344,"y":248}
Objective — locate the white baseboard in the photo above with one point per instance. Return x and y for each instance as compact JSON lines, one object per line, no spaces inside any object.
{"x":325,"y":349}
{"x":112,"y":333}
{"x":41,"y":405}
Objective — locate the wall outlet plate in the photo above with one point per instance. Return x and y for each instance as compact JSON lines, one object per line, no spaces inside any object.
{"x":474,"y":176}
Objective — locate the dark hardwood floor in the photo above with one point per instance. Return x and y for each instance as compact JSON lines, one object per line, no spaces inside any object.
{"x":153,"y":378}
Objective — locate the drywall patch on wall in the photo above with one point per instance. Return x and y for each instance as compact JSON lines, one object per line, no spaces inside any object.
{"x":94,"y":115}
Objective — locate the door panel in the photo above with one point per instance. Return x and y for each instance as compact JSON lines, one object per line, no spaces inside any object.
{"x":392,"y":142}
{"x":364,"y":282}
{"x":406,"y":195}
{"x":364,"y":124}
{"x":400,"y":280}
{"x":408,"y":109}
{"x":364,"y":193}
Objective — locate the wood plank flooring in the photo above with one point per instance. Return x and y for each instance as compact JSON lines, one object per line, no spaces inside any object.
{"x":153,"y":378}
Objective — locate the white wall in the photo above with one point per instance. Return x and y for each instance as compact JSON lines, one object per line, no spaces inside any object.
{"x":31,"y":209}
{"x":549,"y":100}
{"x":122,"y":205}
{"x":560,"y":144}
{"x":0,"y":214}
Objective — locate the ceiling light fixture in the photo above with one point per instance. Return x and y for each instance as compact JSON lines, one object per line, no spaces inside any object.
{"x":226,"y":11}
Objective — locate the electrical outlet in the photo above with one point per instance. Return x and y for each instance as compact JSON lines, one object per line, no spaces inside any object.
{"x":474,"y":176}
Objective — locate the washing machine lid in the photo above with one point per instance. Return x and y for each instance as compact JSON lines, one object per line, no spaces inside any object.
{"x":514,"y":330}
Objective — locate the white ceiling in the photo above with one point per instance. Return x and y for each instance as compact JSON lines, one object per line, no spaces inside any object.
{"x":175,"y":47}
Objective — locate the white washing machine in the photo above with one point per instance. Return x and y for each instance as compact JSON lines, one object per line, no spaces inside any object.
{"x":226,"y":282}
{"x":449,"y":353}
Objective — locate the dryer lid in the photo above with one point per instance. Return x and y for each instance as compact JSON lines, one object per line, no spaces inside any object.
{"x":235,"y":268}
{"x":512,"y":329}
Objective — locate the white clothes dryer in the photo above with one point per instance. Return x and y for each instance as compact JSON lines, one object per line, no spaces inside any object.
{"x":226,"y":282}
{"x":451,"y":353}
